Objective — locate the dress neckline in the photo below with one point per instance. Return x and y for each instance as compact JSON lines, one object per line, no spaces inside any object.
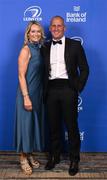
{"x":35,"y":44}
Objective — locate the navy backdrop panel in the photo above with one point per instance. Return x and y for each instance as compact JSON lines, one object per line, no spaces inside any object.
{"x":85,"y":21}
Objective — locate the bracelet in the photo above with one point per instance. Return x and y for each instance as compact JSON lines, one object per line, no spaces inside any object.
{"x":24,"y":95}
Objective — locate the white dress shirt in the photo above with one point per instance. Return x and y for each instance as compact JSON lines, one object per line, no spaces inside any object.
{"x":57,"y":61}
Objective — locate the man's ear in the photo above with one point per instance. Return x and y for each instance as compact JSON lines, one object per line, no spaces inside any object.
{"x":49,"y":28}
{"x":64,"y":28}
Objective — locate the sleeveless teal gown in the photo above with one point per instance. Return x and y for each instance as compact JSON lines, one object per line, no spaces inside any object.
{"x":29,"y":125}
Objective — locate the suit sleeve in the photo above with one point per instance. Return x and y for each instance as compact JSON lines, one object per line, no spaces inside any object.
{"x":83,"y":68}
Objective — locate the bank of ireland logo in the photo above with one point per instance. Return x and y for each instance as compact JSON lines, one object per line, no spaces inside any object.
{"x":32,"y":13}
{"x":78,"y":38}
{"x":80,"y":108}
{"x":76,"y":15}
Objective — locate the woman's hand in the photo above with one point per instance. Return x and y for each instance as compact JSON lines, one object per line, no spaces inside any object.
{"x":27,"y":103}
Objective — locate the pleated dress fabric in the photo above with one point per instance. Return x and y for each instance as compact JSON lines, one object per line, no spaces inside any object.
{"x":29,"y":125}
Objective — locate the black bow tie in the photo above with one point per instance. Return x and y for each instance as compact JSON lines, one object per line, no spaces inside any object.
{"x":57,"y":42}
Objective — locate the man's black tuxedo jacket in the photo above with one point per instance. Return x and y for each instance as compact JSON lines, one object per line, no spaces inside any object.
{"x":75,"y":61}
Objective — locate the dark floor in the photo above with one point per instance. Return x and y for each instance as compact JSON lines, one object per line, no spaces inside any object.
{"x":92,"y":166}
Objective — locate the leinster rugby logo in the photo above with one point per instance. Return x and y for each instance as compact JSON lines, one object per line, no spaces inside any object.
{"x":77,"y":38}
{"x":33,"y":13}
{"x":80,"y":108}
{"x":79,"y":101}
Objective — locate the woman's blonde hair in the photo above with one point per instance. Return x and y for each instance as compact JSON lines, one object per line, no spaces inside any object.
{"x":26,"y":39}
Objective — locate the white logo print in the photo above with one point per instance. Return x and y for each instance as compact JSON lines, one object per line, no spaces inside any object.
{"x":80,"y":108}
{"x":81,"y":135}
{"x":79,"y":101}
{"x":32,"y":14}
{"x":76,"y":8}
{"x":78,"y":39}
{"x":76,"y":15}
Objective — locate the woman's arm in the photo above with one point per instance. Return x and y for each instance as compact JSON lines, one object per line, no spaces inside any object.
{"x":23,"y":62}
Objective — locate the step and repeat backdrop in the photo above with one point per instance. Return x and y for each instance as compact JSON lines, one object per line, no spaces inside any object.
{"x":86,"y":22}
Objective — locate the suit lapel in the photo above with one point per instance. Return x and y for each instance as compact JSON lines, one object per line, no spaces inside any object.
{"x":66,"y":53}
{"x":48,"y":46}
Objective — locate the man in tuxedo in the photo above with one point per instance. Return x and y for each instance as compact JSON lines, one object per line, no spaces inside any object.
{"x":66,"y":73}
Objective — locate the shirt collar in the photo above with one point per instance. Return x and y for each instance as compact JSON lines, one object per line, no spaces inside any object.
{"x":63,"y":39}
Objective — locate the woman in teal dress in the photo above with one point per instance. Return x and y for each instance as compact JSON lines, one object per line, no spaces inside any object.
{"x":29,"y":130}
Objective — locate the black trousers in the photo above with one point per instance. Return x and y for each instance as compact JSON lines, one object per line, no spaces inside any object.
{"x":62,"y":103}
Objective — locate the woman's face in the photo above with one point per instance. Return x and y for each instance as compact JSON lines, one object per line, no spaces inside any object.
{"x":35,"y":33}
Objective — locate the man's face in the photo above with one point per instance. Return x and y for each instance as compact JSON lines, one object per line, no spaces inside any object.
{"x":57,"y":28}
